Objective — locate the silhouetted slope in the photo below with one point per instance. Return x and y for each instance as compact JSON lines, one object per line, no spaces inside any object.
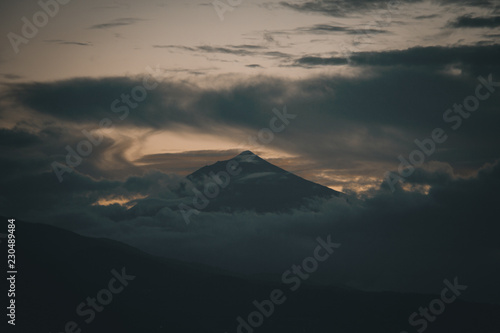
{"x":58,"y":270}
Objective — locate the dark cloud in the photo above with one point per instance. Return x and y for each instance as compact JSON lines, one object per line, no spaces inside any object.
{"x":433,"y":56}
{"x":467,"y":21}
{"x":9,"y":76}
{"x":340,"y":8}
{"x":16,"y":138}
{"x":325,"y":28}
{"x":426,"y":17}
{"x":248,"y":46}
{"x":117,"y":23}
{"x":90,"y":100}
{"x":490,"y":4}
{"x":319,"y":61}
{"x":83,"y":99}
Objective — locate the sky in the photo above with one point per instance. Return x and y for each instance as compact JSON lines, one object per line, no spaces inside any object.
{"x":324,"y":60}
{"x":147,"y":92}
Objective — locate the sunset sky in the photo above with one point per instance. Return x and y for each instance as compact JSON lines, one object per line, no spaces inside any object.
{"x":364,"y":78}
{"x":107,"y":106}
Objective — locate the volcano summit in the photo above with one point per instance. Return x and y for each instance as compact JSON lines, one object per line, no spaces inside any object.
{"x":248,"y":182}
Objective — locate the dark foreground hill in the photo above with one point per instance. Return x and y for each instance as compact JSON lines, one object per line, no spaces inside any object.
{"x":58,"y":271}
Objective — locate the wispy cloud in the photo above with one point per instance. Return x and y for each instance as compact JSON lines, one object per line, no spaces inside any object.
{"x":66,"y":42}
{"x":117,"y":23}
{"x":9,"y":76}
{"x":238,"y":50}
{"x":208,"y":49}
{"x":186,"y":162}
{"x":326,"y":28}
{"x":426,"y":17}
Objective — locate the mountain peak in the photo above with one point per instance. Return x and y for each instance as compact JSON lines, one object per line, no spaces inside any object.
{"x":258,"y":185}
{"x":246,"y":153}
{"x":248,"y":156}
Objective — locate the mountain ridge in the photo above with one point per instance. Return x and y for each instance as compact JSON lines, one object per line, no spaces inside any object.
{"x":166,"y":295}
